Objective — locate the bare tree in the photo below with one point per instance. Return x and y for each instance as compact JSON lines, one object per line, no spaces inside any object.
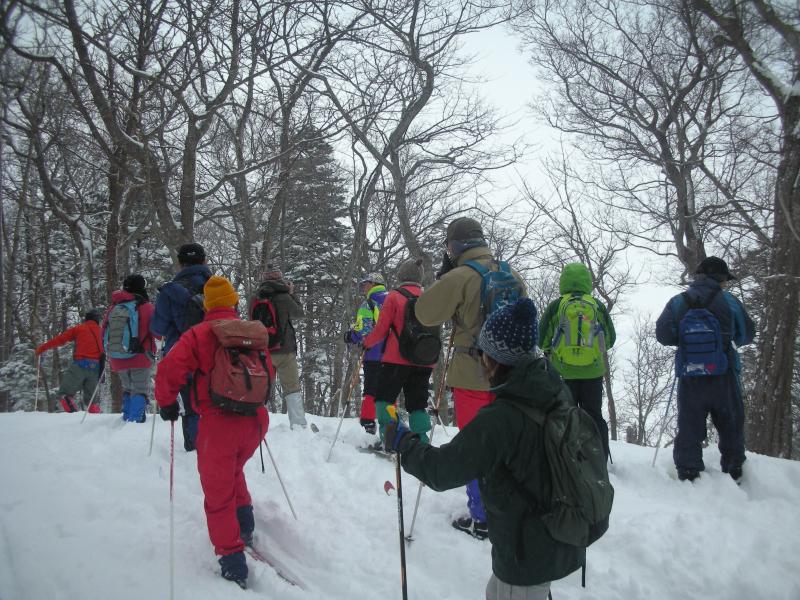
{"x":766,"y":36}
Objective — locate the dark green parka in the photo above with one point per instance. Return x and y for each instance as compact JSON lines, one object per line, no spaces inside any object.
{"x":504,"y":450}
{"x":286,"y":308}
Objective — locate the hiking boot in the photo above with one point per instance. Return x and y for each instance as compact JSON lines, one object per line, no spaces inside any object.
{"x":688,"y":474}
{"x":476,"y":529}
{"x":368,"y":425}
{"x":234,"y":568}
{"x":735,"y":473}
{"x":247,"y":523}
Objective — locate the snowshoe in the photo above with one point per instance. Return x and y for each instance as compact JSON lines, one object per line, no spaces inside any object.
{"x":476,"y":529}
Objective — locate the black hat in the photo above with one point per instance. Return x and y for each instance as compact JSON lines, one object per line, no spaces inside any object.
{"x":191,"y":254}
{"x":714,"y":267}
{"x":135,"y":284}
{"x":93,"y":314}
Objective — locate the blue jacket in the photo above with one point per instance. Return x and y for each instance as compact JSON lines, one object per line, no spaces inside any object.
{"x":171,"y":300}
{"x":735,"y":324}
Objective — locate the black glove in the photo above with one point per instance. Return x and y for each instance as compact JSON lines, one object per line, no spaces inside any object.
{"x":394,"y":433}
{"x":368,"y":425}
{"x":170,"y":413}
{"x":433,"y":411}
{"x":447,"y":265}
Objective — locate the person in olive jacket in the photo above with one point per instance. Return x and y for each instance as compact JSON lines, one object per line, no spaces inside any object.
{"x":283,"y":349}
{"x":456,"y":296}
{"x":505,"y":452}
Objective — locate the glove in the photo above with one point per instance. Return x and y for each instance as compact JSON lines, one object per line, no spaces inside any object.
{"x":348,"y":336}
{"x":447,"y":265}
{"x":170,"y":413}
{"x":368,"y":425}
{"x":395,"y":432}
{"x":433,"y":411}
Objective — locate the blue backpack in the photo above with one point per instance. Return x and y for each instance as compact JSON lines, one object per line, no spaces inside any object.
{"x":701,"y":350}
{"x":121,"y":337}
{"x":498,"y":288}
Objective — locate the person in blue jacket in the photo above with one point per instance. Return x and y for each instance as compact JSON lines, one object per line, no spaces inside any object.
{"x":717,"y":394}
{"x":174,"y":314}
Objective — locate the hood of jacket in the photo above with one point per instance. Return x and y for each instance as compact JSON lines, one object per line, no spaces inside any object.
{"x":533,"y":381}
{"x":575,"y":277}
{"x":119,"y":296}
{"x":272,"y":286}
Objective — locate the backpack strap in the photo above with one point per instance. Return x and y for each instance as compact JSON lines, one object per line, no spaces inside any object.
{"x":694,"y":304}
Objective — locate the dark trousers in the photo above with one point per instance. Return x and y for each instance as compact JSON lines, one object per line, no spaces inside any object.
{"x":588,"y":393}
{"x":412,"y":380}
{"x":721,"y":397}
{"x":372,"y":370}
{"x":189,"y":420}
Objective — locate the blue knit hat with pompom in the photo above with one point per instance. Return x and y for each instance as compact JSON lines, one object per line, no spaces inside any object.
{"x":510,"y":334}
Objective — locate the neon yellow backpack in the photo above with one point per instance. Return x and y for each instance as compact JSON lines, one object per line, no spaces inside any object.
{"x":577,"y":339}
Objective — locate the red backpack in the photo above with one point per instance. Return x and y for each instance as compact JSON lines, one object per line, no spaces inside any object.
{"x":263,"y":310}
{"x":241,"y":374}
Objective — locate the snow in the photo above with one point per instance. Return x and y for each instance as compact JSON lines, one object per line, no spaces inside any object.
{"x":84,"y":513}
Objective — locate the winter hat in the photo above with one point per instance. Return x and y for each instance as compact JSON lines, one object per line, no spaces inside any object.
{"x":218,"y":292}
{"x":375,"y":278}
{"x":510,"y":334}
{"x":716,"y":268}
{"x":464,"y":233}
{"x":93,"y":314}
{"x":272,"y":273}
{"x":135,"y":284}
{"x":410,"y":270}
{"x":191,"y":254}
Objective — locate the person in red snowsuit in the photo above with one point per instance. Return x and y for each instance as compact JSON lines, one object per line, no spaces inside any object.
{"x":225,"y":440}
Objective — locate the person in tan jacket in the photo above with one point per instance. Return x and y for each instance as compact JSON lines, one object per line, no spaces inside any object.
{"x":457,"y":296}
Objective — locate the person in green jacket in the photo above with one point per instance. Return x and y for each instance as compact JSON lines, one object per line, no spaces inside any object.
{"x":575,"y":332}
{"x":505,"y":452}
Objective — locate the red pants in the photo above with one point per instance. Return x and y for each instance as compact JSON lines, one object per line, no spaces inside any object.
{"x":225,"y":442}
{"x":467,"y":403}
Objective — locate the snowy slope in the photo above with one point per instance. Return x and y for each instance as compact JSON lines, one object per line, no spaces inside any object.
{"x":84,"y":515}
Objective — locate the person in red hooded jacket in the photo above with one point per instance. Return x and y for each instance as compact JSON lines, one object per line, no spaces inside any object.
{"x":396,"y":373}
{"x":225,"y":440}
{"x":133,"y":365}
{"x":84,"y":372}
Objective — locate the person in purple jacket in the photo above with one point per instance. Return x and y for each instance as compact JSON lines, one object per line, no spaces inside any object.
{"x":373,"y":286}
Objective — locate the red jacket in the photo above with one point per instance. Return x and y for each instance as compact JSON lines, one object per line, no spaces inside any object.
{"x":193,"y":355}
{"x":390,"y":324}
{"x":86,"y":335}
{"x":141,"y":361}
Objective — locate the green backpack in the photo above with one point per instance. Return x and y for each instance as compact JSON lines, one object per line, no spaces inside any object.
{"x":582,"y":495}
{"x":576,"y":342}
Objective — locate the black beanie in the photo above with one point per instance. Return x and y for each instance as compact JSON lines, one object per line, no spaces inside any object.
{"x":191,"y":254}
{"x":136,"y":284}
{"x":93,"y":314}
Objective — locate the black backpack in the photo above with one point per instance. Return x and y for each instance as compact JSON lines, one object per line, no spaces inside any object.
{"x":419,"y":344}
{"x":194,"y":311}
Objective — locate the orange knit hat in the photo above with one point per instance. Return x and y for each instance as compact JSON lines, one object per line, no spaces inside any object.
{"x":218,"y":291}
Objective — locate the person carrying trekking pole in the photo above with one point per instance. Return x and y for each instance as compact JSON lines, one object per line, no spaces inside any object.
{"x":575,"y":332}
{"x":373,"y":287}
{"x":409,"y":352}
{"x":505,"y":452}
{"x":707,"y":324}
{"x":130,"y":346}
{"x":179,"y":306}
{"x":471,"y":285}
{"x":87,"y":361}
{"x":229,"y":364}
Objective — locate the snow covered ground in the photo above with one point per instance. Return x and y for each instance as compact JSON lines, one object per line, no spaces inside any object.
{"x":84,"y":515}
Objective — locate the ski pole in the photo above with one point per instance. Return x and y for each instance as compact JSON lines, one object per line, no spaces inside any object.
{"x":350,"y":387}
{"x":664,"y":426}
{"x":439,"y":393}
{"x":393,"y":414}
{"x":171,"y":511}
{"x":153,"y":427}
{"x":38,"y":361}
{"x":91,"y":400}
{"x":278,"y":473}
